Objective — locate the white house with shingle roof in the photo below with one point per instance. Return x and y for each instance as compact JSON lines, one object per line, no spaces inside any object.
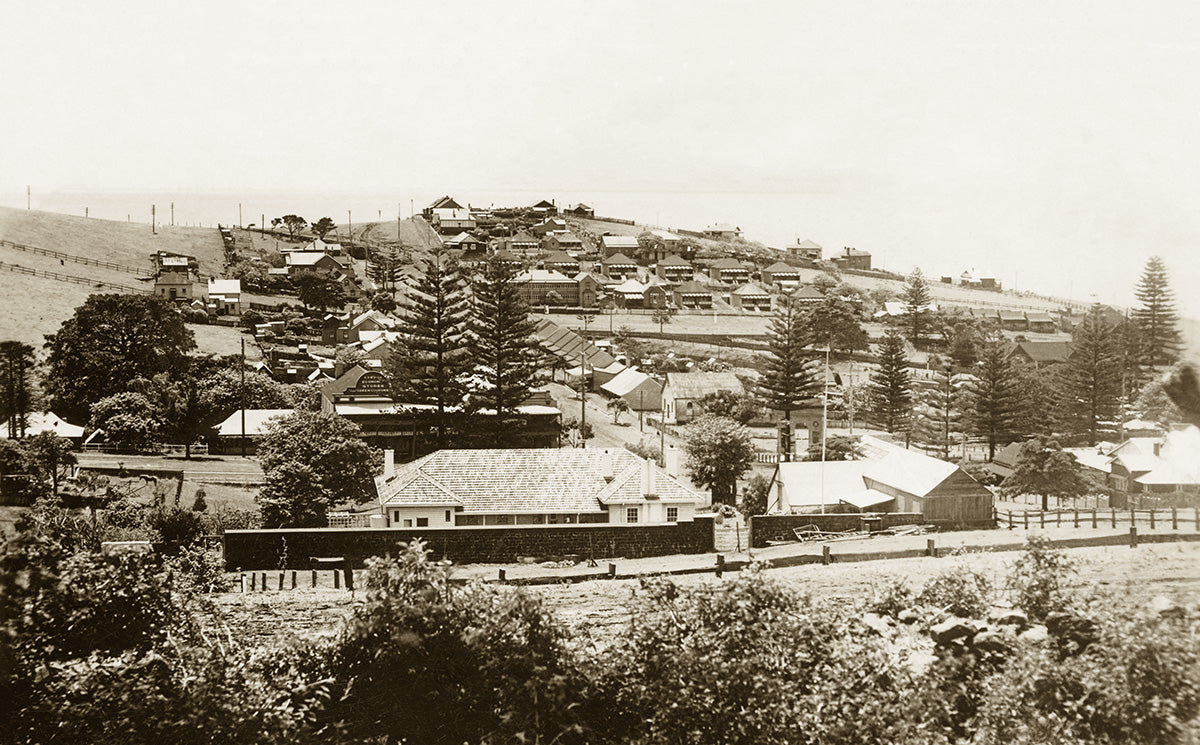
{"x":532,"y":487}
{"x":683,"y":391}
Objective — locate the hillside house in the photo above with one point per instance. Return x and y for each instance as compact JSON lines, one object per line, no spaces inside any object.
{"x":612,"y":245}
{"x":444,"y":203}
{"x":165,"y":261}
{"x":225,"y":296}
{"x":722,"y":231}
{"x":692,"y":296}
{"x":549,"y":225}
{"x":311,"y":261}
{"x":674,"y":269}
{"x":619,"y":267}
{"x":1040,"y":323}
{"x":1041,"y":353}
{"x":657,"y":294}
{"x":535,"y":285}
{"x":591,"y":288}
{"x":1012,"y":320}
{"x":781,"y":274}
{"x":806,"y":295}
{"x":464,"y":241}
{"x":174,"y":286}
{"x":805,"y":250}
{"x":509,"y":259}
{"x":562,"y":241}
{"x":230,"y":435}
{"x":682,"y":393}
{"x":544,"y":208}
{"x":729,"y":271}
{"x":581,"y":210}
{"x":630,"y":294}
{"x":640,"y":391}
{"x":449,"y":221}
{"x":463,"y":488}
{"x":750,"y":297}
{"x":521,"y":243}
{"x":852,"y":258}
{"x":561,"y":261}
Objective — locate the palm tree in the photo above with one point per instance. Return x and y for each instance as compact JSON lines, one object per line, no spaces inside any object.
{"x":617,"y":406}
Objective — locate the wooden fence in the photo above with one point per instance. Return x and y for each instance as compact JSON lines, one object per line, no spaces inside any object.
{"x":75,"y":259}
{"x":1100,"y":518}
{"x":73,"y":279}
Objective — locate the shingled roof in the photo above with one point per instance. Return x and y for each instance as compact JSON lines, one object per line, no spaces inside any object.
{"x":536,"y":480}
{"x":700,"y":384}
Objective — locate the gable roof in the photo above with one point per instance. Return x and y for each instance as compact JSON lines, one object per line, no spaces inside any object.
{"x":811,"y":483}
{"x":37,"y":422}
{"x":1044,"y":351}
{"x":700,"y":384}
{"x":779,"y":267}
{"x":630,"y":287}
{"x":256,"y":421}
{"x":627,"y":380}
{"x":535,"y":480}
{"x":568,"y":345}
{"x":807,"y":292}
{"x":619,"y":259}
{"x":674,"y":260}
{"x":807,"y":244}
{"x":751,"y":289}
{"x":306,"y":258}
{"x":909,"y":471}
{"x":728,"y":263}
{"x":543,"y":275}
{"x":692,"y":287}
{"x":560,"y":257}
{"x":445,"y":203}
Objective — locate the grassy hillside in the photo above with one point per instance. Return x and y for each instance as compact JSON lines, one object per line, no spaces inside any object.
{"x":128,"y":243}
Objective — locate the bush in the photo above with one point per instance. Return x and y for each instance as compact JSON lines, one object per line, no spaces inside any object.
{"x":959,"y":591}
{"x":177,"y":526}
{"x":1037,"y":580}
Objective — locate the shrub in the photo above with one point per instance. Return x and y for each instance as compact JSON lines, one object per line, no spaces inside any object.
{"x":1037,"y":579}
{"x":958,"y":590}
{"x":895,"y":597}
{"x":178,"y":526}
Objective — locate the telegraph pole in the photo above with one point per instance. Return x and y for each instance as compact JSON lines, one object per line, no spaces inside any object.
{"x":242,"y":396}
{"x":172,"y":214}
{"x":239,"y":214}
{"x":153,"y":220}
{"x":28,"y":190}
{"x":583,"y":387}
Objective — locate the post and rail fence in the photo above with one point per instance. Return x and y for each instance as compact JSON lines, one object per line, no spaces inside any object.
{"x":1110,"y":518}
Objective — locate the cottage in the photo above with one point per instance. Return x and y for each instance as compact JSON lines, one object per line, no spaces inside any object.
{"x":311,"y":261}
{"x":683,"y":391}
{"x":1040,"y":323}
{"x":630,"y":294}
{"x":619,"y":267}
{"x":532,"y":487}
{"x":451,"y":221}
{"x":45,"y":421}
{"x":1041,"y":353}
{"x":591,"y":287}
{"x":231,"y":438}
{"x":751,"y":297}
{"x":674,"y":269}
{"x":174,"y":286}
{"x":569,"y":348}
{"x":1013,"y":320}
{"x":852,"y":258}
{"x":581,"y":210}
{"x":544,"y":207}
{"x":506,"y":258}
{"x":225,"y":296}
{"x":640,"y":391}
{"x":729,"y":271}
{"x":657,"y":294}
{"x":561,"y":261}
{"x":444,"y":203}
{"x":549,"y":225}
{"x":722,"y":231}
{"x":805,"y":250}
{"x":692,"y":296}
{"x":464,"y":241}
{"x":613,"y":245}
{"x":781,"y":274}
{"x":520,"y":242}
{"x":807,"y":295}
{"x":535,"y":286}
{"x":562,"y":241}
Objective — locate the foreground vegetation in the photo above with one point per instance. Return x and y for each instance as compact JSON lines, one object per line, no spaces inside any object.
{"x":129,"y":649}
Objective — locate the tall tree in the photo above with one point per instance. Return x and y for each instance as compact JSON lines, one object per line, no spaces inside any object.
{"x":938,"y":412}
{"x":890,"y":389}
{"x":1131,"y":348}
{"x":834,"y":323}
{"x":1091,"y":381}
{"x":385,"y":267}
{"x":16,"y":385}
{"x":292,"y":223}
{"x":129,"y":419}
{"x":994,"y":395}
{"x":319,"y":290}
{"x":321,"y":227}
{"x":502,"y":348}
{"x":719,"y":451}
{"x":1156,"y":315}
{"x":917,"y":299}
{"x":789,"y":379}
{"x":432,"y":363}
{"x":111,"y":340}
{"x":47,"y":455}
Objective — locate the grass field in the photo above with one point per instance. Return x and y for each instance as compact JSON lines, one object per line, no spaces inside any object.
{"x":224,"y":340}
{"x":119,"y":242}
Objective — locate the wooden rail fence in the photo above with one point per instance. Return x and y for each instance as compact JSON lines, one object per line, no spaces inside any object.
{"x":75,"y":258}
{"x":73,"y":279}
{"x":1100,"y":518}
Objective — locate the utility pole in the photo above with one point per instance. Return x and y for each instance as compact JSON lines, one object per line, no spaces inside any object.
{"x":239,"y":214}
{"x":583,"y":388}
{"x":172,"y":214}
{"x":349,"y":228}
{"x":85,"y":211}
{"x":242,"y":395}
{"x":262,"y":224}
{"x":153,"y":220}
{"x":28,"y":191}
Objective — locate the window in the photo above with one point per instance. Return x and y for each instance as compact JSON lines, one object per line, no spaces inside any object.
{"x":408,"y":523}
{"x":447,"y":515}
{"x":422,"y":522}
{"x":395,"y":516}
{"x":672,"y":514}
{"x":631,"y":514}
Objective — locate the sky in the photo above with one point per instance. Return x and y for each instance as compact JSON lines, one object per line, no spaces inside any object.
{"x":1051,"y":144}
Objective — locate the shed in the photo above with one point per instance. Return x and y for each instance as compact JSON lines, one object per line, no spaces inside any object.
{"x":940,"y":491}
{"x":640,"y":391}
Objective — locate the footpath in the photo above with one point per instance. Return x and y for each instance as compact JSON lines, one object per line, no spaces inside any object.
{"x":838,"y":551}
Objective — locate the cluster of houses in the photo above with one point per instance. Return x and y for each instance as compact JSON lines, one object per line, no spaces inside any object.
{"x":177,"y":279}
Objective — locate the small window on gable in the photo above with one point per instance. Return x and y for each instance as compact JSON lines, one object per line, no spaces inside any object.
{"x":631,"y":514}
{"x":672,"y":514}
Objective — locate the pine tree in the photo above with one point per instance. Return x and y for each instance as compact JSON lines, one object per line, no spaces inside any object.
{"x":432,"y":362}
{"x":1157,"y":317}
{"x":917,"y":299}
{"x":834,"y":323}
{"x":890,"y":391}
{"x":503,"y":349}
{"x":790,"y":379}
{"x":385,"y":267}
{"x":995,"y":395}
{"x":16,"y":385}
{"x":938,"y":412}
{"x":1091,"y":380}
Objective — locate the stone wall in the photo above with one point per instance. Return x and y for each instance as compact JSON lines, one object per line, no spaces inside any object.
{"x":764,"y":528}
{"x":262,"y":549}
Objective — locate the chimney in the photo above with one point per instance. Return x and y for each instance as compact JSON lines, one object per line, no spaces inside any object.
{"x":671,"y":461}
{"x":606,"y":466}
{"x":649,"y":485}
{"x":1157,"y":448}
{"x":389,"y":463}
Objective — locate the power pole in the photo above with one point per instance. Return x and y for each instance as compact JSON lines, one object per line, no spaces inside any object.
{"x":242,"y":396}
{"x":239,"y":214}
{"x":153,"y":220}
{"x":28,"y":190}
{"x":262,"y":224}
{"x":583,"y":388}
{"x":349,"y":228}
{"x":172,"y":214}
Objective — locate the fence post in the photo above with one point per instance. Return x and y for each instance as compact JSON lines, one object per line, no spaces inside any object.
{"x":1196,"y":512}
{"x":263,"y":582}
{"x":293,"y":579}
{"x":1114,"y":516}
{"x":1042,"y":518}
{"x":826,"y":558}
{"x":1174,"y":519}
{"x":1152,"y":519}
{"x":253,"y":581}
{"x":720,"y":565}
{"x":612,"y":570}
{"x":1132,"y":516}
{"x":502,"y":574}
{"x":314,"y":578}
{"x":1026,"y":513}
{"x":242,"y":580}
{"x":281,"y":581}
{"x":1133,"y":536}
{"x":930,"y":549}
{"x":1093,"y":519}
{"x":1077,"y":517}
{"x":337,"y":580}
